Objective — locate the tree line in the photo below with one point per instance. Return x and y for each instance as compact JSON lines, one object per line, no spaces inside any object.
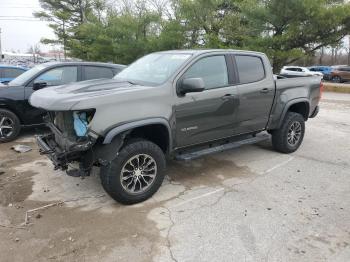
{"x":120,"y":31}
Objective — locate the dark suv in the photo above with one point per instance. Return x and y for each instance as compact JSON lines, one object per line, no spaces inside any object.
{"x":16,"y":112}
{"x":340,"y":74}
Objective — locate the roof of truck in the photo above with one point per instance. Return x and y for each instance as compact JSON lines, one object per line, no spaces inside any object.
{"x":203,"y":51}
{"x":84,"y":63}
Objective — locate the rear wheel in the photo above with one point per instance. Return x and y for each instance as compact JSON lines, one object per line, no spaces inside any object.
{"x":289,"y":137}
{"x":135,"y":174}
{"x":10,"y":126}
{"x":336,"y":79}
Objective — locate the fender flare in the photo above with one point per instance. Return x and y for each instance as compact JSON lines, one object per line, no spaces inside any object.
{"x":289,"y":104}
{"x":139,"y":123}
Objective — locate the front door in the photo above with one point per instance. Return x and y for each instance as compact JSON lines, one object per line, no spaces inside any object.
{"x":52,"y":77}
{"x":208,"y":115}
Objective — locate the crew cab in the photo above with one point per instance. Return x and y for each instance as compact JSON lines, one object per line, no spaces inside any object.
{"x":16,"y":112}
{"x":176,"y":104}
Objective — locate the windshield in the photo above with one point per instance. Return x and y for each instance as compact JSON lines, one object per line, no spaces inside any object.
{"x":23,"y":78}
{"x":153,"y":69}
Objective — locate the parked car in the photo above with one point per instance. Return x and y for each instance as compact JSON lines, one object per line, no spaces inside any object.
{"x":325,"y":70}
{"x":16,"y":112}
{"x":298,"y":71}
{"x":340,"y":74}
{"x":9,"y":72}
{"x":180,"y":104}
{"x":276,"y":77}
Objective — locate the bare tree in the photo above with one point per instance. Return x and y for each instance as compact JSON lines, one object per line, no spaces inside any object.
{"x":35,"y":51}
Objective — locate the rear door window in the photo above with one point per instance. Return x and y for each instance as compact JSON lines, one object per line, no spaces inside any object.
{"x":97,"y":72}
{"x":294,"y":69}
{"x":12,"y":72}
{"x":250,"y":68}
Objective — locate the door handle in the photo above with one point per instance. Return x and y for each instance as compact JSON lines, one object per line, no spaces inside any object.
{"x":264,"y":90}
{"x":228,"y":97}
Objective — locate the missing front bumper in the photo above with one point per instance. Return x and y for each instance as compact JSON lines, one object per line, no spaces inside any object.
{"x":62,"y":157}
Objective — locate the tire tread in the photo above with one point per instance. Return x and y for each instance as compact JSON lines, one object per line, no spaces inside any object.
{"x":17,"y":128}
{"x":111,"y":172}
{"x":279,"y":140}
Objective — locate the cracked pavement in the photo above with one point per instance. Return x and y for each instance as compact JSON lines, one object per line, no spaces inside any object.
{"x":247,"y":204}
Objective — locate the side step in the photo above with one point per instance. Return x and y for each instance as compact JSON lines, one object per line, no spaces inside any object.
{"x":221,"y":148}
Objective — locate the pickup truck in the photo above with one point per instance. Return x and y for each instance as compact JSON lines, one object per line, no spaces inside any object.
{"x":175,"y":104}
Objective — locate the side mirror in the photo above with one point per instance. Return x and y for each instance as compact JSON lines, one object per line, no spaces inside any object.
{"x":39,"y":85}
{"x":191,"y":85}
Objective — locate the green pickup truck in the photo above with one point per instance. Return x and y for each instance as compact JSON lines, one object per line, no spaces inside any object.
{"x":180,"y":104}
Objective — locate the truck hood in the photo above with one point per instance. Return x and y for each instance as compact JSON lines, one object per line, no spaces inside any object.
{"x":63,"y":98}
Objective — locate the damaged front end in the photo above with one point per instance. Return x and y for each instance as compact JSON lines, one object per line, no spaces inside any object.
{"x":68,"y":140}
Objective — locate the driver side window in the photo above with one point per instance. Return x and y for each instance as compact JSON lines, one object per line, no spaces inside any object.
{"x":213,"y":71}
{"x":59,"y":76}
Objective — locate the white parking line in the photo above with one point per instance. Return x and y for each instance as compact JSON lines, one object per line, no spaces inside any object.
{"x":278,"y":165}
{"x":199,"y":197}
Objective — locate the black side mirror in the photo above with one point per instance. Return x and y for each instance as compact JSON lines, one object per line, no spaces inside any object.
{"x":39,"y":85}
{"x":191,"y":85}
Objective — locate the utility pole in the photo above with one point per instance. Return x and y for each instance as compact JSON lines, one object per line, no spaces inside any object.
{"x":0,"y":47}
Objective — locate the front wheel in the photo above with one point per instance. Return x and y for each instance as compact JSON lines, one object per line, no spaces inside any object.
{"x":337,"y":79}
{"x":289,"y":137}
{"x":10,"y":126}
{"x":135,"y":174}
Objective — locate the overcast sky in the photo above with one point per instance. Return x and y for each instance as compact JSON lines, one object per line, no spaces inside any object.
{"x":20,"y":29}
{"x":17,"y":32}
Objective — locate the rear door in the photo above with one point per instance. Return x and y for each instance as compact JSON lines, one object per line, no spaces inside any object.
{"x":208,"y":115}
{"x":256,"y":93}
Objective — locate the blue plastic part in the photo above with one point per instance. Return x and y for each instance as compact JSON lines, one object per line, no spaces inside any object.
{"x":80,"y":124}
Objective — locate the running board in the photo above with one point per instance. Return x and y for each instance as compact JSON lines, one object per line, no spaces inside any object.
{"x":221,"y":148}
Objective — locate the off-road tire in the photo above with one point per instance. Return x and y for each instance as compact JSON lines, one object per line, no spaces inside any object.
{"x":111,"y":173}
{"x":16,"y":125}
{"x":280,"y":136}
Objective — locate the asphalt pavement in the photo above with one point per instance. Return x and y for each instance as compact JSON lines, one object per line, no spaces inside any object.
{"x":247,"y":204}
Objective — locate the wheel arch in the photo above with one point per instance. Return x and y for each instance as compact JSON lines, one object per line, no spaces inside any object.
{"x":13,"y":110}
{"x":156,"y":130}
{"x":301,"y":106}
